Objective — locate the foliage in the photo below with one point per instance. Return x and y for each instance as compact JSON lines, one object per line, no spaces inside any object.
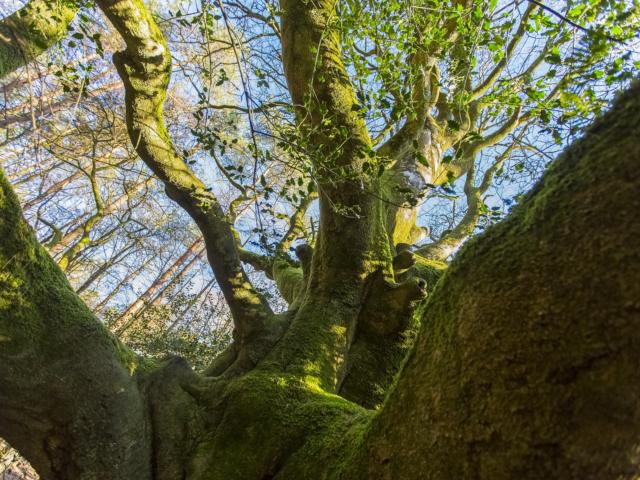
{"x":373,"y":145}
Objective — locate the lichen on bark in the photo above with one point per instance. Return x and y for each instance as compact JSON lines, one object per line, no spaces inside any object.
{"x":31,"y":30}
{"x":525,"y":364}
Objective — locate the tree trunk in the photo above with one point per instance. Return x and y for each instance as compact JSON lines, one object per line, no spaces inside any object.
{"x":158,"y":283}
{"x":51,"y":191}
{"x":69,"y":401}
{"x":526,"y":363}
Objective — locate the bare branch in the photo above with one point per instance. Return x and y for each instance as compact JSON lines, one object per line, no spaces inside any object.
{"x":499,"y":67}
{"x":574,"y":24}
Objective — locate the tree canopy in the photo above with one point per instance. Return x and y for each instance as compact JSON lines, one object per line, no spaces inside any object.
{"x":272,"y":190}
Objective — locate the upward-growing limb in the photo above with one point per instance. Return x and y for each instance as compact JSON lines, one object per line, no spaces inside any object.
{"x":447,"y":244}
{"x":352,"y":243}
{"x":327,"y":112}
{"x":145,"y":67}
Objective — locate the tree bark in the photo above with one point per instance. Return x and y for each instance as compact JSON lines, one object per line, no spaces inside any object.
{"x":527,"y":362}
{"x":525,"y":365}
{"x":69,"y":401}
{"x":31,"y":30}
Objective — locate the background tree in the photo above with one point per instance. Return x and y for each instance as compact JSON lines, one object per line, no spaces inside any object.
{"x":311,"y":376}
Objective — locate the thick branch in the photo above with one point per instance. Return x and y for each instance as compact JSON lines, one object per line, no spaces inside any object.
{"x":66,"y":385}
{"x":31,"y":30}
{"x":259,"y":262}
{"x":352,"y":242}
{"x":529,"y":349}
{"x":145,"y":68}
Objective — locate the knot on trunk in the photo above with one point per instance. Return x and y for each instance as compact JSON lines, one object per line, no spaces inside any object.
{"x":389,"y":305}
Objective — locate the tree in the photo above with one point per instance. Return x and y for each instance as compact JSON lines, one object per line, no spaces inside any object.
{"x":525,"y":362}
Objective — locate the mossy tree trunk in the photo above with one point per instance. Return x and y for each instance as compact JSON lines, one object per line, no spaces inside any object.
{"x":527,"y":360}
{"x":525,"y":364}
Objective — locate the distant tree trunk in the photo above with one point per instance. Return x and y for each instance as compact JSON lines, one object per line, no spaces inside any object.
{"x":48,"y":165}
{"x":115,"y":259}
{"x":158,"y":283}
{"x":193,"y":302}
{"x":128,"y":278}
{"x":52,"y":190}
{"x":75,"y":234}
{"x":24,"y":114}
{"x":169,"y":286}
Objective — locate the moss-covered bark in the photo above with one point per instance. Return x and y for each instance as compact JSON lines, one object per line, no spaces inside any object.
{"x":352,"y":244}
{"x":145,"y":69}
{"x":33,"y":29}
{"x":527,"y":361}
{"x":387,"y":327}
{"x":69,"y":399}
{"x":525,"y":364}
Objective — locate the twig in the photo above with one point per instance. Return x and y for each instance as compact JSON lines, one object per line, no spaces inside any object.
{"x":574,"y":24}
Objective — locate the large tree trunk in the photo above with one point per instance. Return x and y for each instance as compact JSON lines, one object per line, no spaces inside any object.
{"x":525,"y":365}
{"x":527,"y":362}
{"x":68,"y":400}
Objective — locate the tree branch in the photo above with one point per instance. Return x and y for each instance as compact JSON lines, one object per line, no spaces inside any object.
{"x":505,"y":129}
{"x":67,"y":388}
{"x":145,"y":67}
{"x":449,"y":242}
{"x":31,"y":30}
{"x":499,"y":67}
{"x":574,"y":24}
{"x":296,"y":224}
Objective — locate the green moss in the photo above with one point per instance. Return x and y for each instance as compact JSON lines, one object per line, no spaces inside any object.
{"x":373,"y":362}
{"x":289,"y":280}
{"x":526,"y":362}
{"x":33,"y":29}
{"x":59,"y":364}
{"x":427,"y":269}
{"x":269,"y":421}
